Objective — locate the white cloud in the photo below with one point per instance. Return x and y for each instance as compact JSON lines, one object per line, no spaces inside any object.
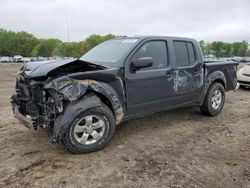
{"x":201,"y":19}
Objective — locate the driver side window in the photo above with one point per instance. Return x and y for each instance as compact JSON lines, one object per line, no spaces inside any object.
{"x":157,"y":50}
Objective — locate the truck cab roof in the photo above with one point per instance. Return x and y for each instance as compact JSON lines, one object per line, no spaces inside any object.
{"x":144,"y":37}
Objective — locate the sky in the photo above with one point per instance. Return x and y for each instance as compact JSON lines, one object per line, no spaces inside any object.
{"x":209,"y":20}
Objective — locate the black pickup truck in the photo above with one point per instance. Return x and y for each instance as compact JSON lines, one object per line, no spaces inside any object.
{"x":83,"y":99}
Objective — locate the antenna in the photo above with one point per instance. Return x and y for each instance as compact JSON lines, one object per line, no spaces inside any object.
{"x":67,"y":30}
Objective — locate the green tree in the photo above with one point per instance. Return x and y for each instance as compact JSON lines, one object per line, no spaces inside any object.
{"x":7,"y":42}
{"x":94,"y":40}
{"x":228,"y":49}
{"x":217,"y":48}
{"x":23,"y":43}
{"x":47,"y":48}
{"x":243,"y":48}
{"x":71,"y":49}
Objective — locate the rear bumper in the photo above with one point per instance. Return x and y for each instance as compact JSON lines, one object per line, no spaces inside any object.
{"x":27,"y":122}
{"x":244,"y":83}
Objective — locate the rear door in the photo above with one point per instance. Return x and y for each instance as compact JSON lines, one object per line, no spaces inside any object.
{"x":189,"y":74}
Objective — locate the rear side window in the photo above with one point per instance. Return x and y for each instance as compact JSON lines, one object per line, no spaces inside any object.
{"x":191,"y":53}
{"x":181,"y":53}
{"x":184,"y":52}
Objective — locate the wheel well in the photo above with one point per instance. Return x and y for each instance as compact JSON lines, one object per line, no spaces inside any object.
{"x":105,"y":101}
{"x":209,"y":86}
{"x":219,"y":81}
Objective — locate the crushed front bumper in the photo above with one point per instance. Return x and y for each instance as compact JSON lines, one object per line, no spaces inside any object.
{"x":27,"y":122}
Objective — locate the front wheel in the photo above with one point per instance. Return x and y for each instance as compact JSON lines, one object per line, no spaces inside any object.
{"x":92,"y":130}
{"x":214,"y":100}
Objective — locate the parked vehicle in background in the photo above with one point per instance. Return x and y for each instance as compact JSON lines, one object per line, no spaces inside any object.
{"x":18,"y":58}
{"x":83,"y":99}
{"x":243,"y":60}
{"x":41,"y":58}
{"x":243,"y":76}
{"x":26,"y":59}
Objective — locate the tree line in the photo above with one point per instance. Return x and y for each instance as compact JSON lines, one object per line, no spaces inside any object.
{"x":223,"y":49}
{"x":25,"y":44}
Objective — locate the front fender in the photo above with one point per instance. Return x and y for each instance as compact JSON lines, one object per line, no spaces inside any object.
{"x":74,"y":90}
{"x":78,"y":88}
{"x":111,"y":95}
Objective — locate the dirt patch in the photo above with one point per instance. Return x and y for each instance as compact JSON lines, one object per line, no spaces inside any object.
{"x":179,"y":148}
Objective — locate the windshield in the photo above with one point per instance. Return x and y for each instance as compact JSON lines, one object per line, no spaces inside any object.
{"x":110,"y":52}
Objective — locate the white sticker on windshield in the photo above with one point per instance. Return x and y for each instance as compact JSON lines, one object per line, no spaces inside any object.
{"x":129,"y":40}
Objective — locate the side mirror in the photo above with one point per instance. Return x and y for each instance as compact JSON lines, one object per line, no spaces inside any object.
{"x":142,"y":63}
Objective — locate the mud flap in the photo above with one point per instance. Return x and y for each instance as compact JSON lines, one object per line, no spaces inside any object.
{"x":73,"y":110}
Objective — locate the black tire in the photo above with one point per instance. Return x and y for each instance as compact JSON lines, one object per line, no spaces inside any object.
{"x":74,"y":146}
{"x":207,"y":107}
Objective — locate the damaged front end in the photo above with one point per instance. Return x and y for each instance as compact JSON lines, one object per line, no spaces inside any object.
{"x":32,"y":105}
{"x":38,"y":103}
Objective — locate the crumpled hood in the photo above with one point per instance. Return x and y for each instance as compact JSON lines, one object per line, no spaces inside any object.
{"x":63,"y":66}
{"x":42,"y":68}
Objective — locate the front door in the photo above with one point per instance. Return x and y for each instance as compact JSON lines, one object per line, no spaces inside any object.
{"x":150,"y":89}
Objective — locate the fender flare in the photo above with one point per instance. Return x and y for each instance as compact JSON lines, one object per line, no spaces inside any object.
{"x":111,"y":95}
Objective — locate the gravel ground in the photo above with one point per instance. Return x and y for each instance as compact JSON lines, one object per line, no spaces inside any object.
{"x":179,"y":148}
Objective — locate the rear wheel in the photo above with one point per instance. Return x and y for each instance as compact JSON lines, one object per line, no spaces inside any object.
{"x":214,"y":100}
{"x":92,"y":130}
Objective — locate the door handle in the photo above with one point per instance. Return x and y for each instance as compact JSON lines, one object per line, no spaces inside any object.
{"x":197,"y":71}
